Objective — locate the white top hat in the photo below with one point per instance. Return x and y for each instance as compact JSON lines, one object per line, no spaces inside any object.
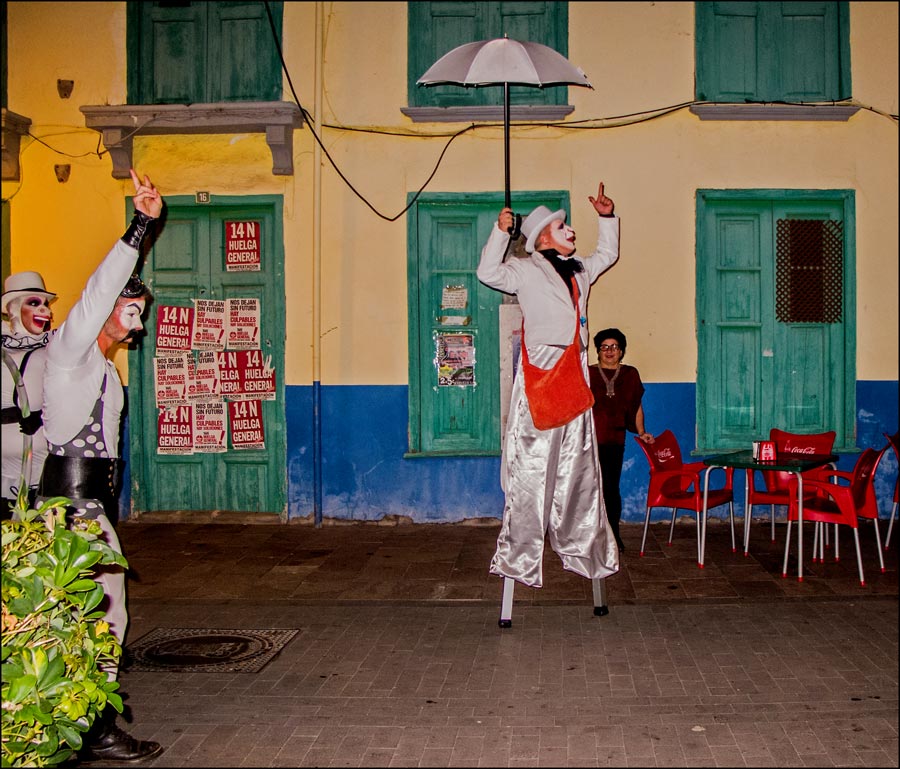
{"x":23,"y":284}
{"x":536,"y":221}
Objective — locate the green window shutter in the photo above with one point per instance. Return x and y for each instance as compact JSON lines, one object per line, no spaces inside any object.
{"x":810,"y":34}
{"x":764,"y":51}
{"x":170,"y":66}
{"x":197,"y":52}
{"x":438,"y":27}
{"x":243,"y":60}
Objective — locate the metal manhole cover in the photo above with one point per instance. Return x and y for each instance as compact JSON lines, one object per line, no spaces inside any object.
{"x":202,"y":650}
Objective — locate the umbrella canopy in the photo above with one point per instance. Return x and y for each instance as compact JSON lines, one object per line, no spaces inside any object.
{"x":504,"y":62}
{"x":494,"y":62}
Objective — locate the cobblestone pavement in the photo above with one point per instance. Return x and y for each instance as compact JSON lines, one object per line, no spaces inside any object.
{"x":399,"y":660}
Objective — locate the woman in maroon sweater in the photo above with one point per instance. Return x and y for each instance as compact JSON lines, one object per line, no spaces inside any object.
{"x":618,"y":391}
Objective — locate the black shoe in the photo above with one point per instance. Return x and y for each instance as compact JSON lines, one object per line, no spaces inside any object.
{"x":111,"y":746}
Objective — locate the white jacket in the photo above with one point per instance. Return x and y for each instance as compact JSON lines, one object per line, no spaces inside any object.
{"x":549,"y":314}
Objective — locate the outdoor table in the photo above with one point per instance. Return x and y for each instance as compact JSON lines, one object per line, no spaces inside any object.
{"x":743,"y":460}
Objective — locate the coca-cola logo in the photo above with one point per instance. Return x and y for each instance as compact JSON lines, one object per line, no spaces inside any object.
{"x":789,"y":449}
{"x":664,"y":455}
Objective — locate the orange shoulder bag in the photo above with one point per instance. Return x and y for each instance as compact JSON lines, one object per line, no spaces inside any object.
{"x":557,"y":395}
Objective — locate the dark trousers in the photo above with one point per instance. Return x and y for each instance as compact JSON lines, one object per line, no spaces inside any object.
{"x":611,"y":457}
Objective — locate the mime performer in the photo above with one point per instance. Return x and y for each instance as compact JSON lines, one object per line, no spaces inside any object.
{"x":551,"y":477}
{"x":83,"y":403}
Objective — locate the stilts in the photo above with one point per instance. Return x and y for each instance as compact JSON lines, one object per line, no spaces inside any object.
{"x":598,"y":587}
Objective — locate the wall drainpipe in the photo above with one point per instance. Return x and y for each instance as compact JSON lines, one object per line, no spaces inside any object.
{"x":317,"y":275}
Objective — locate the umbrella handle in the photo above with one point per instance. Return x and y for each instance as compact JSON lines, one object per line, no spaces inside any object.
{"x":516,"y":230}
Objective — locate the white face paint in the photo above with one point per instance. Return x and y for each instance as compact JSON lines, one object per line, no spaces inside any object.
{"x":125,"y":319}
{"x":34,"y":315}
{"x":562,"y":237}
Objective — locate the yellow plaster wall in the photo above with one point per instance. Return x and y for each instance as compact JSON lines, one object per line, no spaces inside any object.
{"x":639,"y":57}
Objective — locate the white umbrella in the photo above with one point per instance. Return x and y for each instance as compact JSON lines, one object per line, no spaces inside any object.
{"x":504,"y":62}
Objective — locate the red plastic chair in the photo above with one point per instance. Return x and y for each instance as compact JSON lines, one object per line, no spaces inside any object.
{"x":678,"y":486}
{"x":840,"y":498}
{"x":894,"y":441}
{"x":775,"y":490}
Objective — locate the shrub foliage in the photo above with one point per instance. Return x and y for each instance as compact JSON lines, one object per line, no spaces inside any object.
{"x":56,"y":644}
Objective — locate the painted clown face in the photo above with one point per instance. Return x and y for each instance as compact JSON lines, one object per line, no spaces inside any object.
{"x":124,"y":322}
{"x":34,"y":315}
{"x":561,"y":236}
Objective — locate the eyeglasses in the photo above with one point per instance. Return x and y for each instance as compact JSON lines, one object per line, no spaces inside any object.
{"x":605,"y":347}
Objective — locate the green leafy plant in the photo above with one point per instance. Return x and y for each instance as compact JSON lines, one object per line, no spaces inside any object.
{"x":56,"y":644}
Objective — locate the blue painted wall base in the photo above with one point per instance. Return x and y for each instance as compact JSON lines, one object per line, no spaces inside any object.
{"x":365,"y":476}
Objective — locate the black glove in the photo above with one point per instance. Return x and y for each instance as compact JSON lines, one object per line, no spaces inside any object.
{"x":140,"y":225}
{"x":29,"y":425}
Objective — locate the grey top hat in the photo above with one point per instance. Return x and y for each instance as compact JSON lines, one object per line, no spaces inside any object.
{"x":26,"y":283}
{"x":536,"y":221}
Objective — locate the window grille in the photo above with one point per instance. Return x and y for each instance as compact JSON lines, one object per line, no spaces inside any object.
{"x":809,"y":271}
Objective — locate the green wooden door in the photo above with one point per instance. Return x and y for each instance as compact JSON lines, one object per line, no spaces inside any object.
{"x":775,"y":316}
{"x":187,"y":263}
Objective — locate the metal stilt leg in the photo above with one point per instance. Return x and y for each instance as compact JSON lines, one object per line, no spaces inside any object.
{"x":600,"y":603}
{"x":598,"y":587}
{"x":506,"y":604}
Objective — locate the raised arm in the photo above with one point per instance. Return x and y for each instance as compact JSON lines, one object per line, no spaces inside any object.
{"x":492,"y":271}
{"x":607,"y":252}
{"x":78,"y":334}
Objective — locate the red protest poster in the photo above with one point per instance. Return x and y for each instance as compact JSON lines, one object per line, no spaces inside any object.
{"x":203,"y":377}
{"x":229,"y":374}
{"x":174,"y":431}
{"x":173,"y":328}
{"x":242,"y":253}
{"x":246,"y":375}
{"x":257,"y":376}
{"x":170,"y":375}
{"x":209,"y":325}
{"x":209,"y":427}
{"x":246,"y":425}
{"x":242,"y":316}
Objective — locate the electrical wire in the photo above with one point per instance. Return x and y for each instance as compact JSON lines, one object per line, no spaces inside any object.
{"x":589,"y":124}
{"x":309,"y":124}
{"x":633,"y":118}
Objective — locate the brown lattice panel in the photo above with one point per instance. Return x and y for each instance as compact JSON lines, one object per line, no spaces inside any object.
{"x":809,"y":271}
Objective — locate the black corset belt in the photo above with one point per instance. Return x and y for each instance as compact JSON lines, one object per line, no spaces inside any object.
{"x":80,"y":478}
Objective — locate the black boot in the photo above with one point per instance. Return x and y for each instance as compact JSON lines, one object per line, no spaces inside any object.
{"x":106,"y":744}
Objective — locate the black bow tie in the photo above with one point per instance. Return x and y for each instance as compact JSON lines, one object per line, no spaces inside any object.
{"x":565,"y":268}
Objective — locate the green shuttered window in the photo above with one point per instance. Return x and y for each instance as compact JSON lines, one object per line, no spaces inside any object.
{"x":201,"y":52}
{"x":437,"y":27}
{"x":772,"y":51}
